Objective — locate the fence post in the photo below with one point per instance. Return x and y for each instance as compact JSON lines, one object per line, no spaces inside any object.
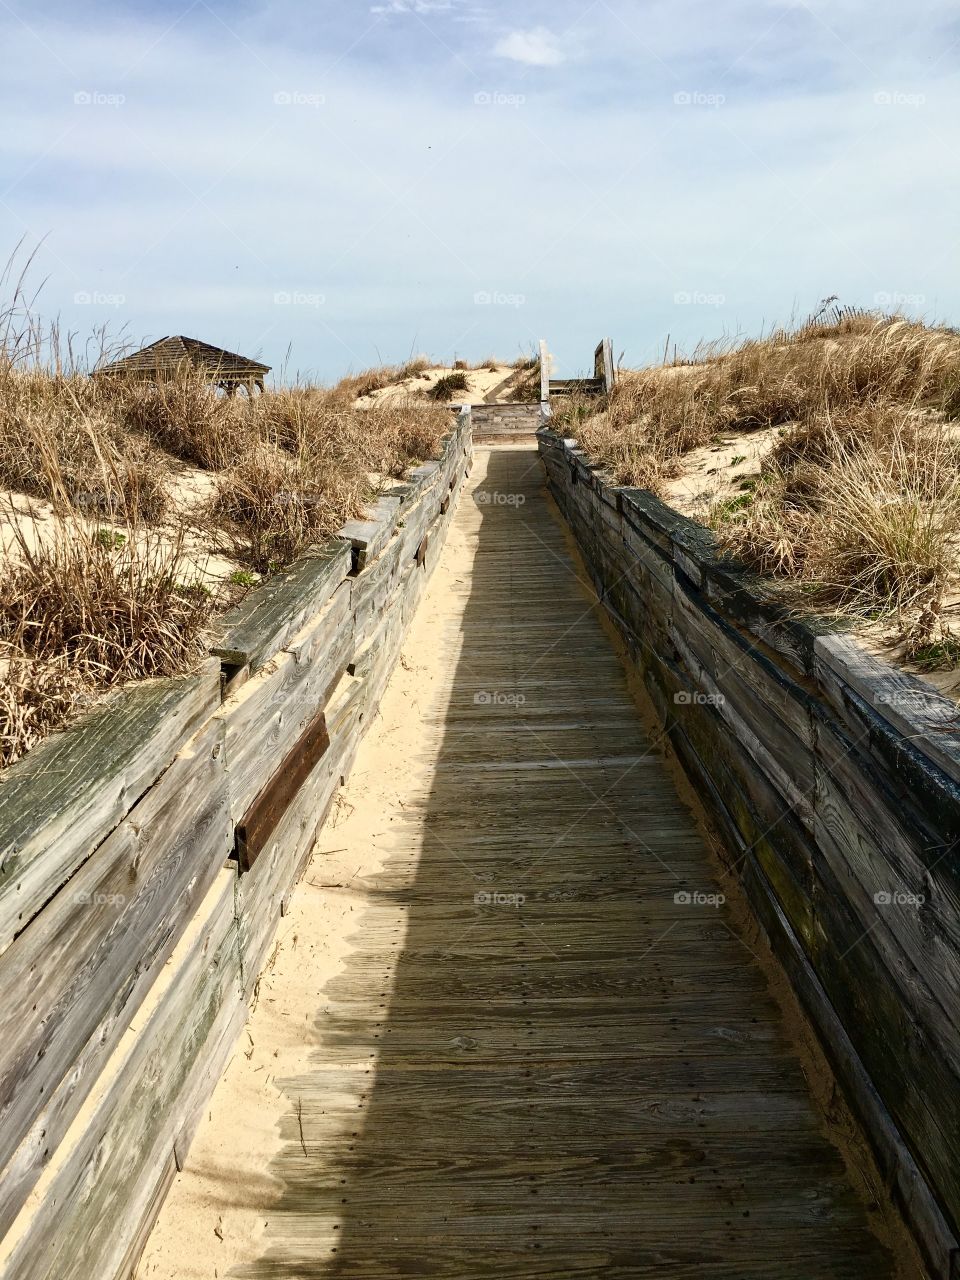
{"x":544,"y":381}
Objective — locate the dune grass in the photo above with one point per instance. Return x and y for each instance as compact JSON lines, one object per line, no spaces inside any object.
{"x":857,"y":504}
{"x":105,"y":587}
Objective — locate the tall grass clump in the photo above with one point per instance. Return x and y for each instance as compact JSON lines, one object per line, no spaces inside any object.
{"x":862,"y":511}
{"x":311,"y":464}
{"x":103,"y":551}
{"x":857,"y":504}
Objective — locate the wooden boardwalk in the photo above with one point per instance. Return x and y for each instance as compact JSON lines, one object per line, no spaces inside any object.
{"x":540,"y":1061}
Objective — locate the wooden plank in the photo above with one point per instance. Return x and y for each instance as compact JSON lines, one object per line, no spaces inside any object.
{"x":65,"y":797}
{"x":76,"y":976}
{"x":110,"y":1166}
{"x":259,"y":627}
{"x":930,"y":721}
{"x":261,"y":892}
{"x":373,"y":587}
{"x":544,"y":371}
{"x":266,"y":716}
{"x":368,"y":536}
{"x":263,"y":816}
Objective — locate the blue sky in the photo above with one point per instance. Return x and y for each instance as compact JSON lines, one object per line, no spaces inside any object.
{"x":330,"y":185}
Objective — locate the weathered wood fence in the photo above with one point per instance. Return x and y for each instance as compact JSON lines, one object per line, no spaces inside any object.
{"x":834,"y":781}
{"x":145,"y":858}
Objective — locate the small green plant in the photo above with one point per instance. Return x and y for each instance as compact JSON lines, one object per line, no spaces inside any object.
{"x":243,"y":578}
{"x":197,"y":591}
{"x":735,"y":462}
{"x":729,"y":508}
{"x":937,"y":655}
{"x":110,"y":539}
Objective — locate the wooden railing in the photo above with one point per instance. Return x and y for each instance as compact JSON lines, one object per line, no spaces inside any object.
{"x":145,"y":859}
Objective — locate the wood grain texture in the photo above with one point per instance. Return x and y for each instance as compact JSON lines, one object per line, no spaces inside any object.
{"x":831,"y":777}
{"x":65,"y":797}
{"x":279,"y":607}
{"x":262,"y":818}
{"x":76,"y":976}
{"x":587,"y":1075}
{"x":102,"y":1184}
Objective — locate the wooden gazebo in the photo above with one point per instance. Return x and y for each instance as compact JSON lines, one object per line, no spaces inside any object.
{"x":169,"y":356}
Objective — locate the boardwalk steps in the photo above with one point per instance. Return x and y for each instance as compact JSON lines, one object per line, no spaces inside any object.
{"x":499,"y":422}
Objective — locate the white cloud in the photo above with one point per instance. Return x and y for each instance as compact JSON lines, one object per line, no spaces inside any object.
{"x":795,"y":187}
{"x":537,"y":47}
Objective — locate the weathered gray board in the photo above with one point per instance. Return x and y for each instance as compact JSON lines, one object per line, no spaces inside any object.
{"x":130,"y":950}
{"x":833,"y":779}
{"x":61,"y":801}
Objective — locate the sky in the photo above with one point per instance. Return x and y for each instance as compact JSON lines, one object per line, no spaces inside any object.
{"x":329,"y":186}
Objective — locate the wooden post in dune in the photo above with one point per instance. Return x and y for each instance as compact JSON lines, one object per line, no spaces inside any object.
{"x":544,"y":380}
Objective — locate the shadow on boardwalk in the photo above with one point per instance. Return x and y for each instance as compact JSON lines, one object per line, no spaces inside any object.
{"x":539,"y":1063}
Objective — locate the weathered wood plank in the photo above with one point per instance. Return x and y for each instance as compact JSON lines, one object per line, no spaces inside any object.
{"x":261,"y":625}
{"x":930,"y":721}
{"x":266,"y":716}
{"x":75,"y":977}
{"x":64,"y":798}
{"x":109,"y":1169}
{"x":369,"y":535}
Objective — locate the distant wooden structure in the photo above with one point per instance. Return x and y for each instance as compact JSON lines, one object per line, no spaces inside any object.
{"x":167,"y":357}
{"x":600,"y":384}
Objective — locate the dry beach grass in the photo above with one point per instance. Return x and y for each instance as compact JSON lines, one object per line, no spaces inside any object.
{"x":106,"y":553}
{"x":853,"y":504}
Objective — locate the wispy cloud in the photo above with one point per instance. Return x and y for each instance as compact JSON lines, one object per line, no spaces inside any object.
{"x":413,"y":6}
{"x":538,"y":47}
{"x":378,"y":172}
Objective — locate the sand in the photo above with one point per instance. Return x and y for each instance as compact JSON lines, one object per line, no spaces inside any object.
{"x":481,"y":383}
{"x":717,"y":471}
{"x":215,"y":1214}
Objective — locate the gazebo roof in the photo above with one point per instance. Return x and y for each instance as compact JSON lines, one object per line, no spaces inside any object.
{"x":167,"y":355}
